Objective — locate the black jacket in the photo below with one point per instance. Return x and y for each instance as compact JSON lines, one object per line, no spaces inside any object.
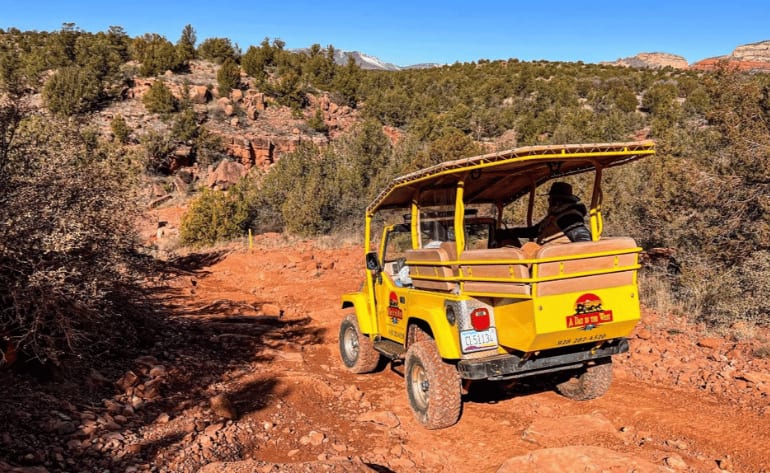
{"x":563,"y":219}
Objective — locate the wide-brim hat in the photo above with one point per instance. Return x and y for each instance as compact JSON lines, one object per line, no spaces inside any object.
{"x":562,"y":190}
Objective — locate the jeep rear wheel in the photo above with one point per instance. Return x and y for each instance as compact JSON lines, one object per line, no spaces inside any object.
{"x":432,"y":385}
{"x":356,"y":349}
{"x":589,"y":383}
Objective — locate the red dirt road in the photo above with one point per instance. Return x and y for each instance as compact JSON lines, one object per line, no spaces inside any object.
{"x":674,"y":405}
{"x":244,"y":375}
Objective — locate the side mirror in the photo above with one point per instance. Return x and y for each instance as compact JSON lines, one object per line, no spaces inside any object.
{"x":372,"y":262}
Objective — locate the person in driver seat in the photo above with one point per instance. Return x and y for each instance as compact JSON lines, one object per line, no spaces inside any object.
{"x":564,"y":222}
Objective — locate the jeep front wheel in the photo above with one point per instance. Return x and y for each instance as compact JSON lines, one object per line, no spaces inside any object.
{"x":590,"y":383}
{"x":432,"y":385}
{"x":356,"y":349}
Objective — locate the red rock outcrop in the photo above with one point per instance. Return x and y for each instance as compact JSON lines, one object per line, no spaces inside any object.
{"x":652,"y":61}
{"x":753,"y":57}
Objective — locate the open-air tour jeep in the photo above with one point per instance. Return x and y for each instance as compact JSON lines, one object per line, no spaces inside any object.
{"x":443,"y":296}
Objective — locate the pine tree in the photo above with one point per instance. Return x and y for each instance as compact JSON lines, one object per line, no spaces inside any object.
{"x":185,"y":47}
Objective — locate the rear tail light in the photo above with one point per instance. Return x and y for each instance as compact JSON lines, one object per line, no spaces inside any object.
{"x":480,"y":319}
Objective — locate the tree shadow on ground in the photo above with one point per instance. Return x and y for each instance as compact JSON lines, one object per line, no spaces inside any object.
{"x":184,"y":353}
{"x":492,"y":392}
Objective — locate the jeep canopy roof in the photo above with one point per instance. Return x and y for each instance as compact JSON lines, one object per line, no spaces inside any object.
{"x":504,"y":176}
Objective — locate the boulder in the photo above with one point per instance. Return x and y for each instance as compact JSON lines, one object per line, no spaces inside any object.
{"x":200,"y":94}
{"x":227,"y":173}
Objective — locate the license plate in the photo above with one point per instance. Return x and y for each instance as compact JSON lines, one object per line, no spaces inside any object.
{"x":471,"y":340}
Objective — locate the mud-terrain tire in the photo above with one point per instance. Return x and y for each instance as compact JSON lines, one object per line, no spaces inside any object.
{"x":589,"y":383}
{"x":433,"y":386}
{"x":356,"y":349}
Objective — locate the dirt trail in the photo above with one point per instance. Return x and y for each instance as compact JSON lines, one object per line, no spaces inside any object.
{"x":641,"y":417}
{"x":248,"y":378}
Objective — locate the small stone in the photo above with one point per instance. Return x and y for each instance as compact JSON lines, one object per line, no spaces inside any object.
{"x":316,"y":438}
{"x":710,"y":342}
{"x":64,"y":427}
{"x":388,"y":419}
{"x":222,"y":406}
{"x":134,"y":448}
{"x":725,"y":463}
{"x":212,"y":429}
{"x":137,"y":402}
{"x":678,"y":444}
{"x":113,"y":407}
{"x":643,"y":333}
{"x":128,"y":380}
{"x":675,"y":461}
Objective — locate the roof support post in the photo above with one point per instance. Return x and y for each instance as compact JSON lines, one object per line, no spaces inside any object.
{"x":597,"y":224}
{"x":415,"y":212}
{"x":460,"y":218}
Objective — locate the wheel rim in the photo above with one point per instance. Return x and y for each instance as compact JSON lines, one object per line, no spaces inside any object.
{"x":420,"y":386}
{"x":351,"y":344}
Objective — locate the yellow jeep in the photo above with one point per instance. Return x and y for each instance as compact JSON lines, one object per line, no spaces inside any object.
{"x":447,"y":299}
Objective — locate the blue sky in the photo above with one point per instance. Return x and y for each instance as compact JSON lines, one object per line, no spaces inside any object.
{"x":406,"y":32}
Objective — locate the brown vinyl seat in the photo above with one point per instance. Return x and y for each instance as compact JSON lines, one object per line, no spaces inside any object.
{"x":584,"y":264}
{"x":435,"y":272}
{"x":494,"y":271}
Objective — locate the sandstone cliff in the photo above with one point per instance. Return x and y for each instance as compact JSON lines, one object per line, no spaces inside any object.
{"x":652,"y":61}
{"x":748,"y":57}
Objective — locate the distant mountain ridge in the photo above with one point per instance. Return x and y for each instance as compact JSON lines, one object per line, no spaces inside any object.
{"x":749,"y":57}
{"x":366,"y":61}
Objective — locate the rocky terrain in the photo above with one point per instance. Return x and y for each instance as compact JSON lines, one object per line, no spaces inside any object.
{"x":243,"y":375}
{"x":254,"y":130}
{"x":749,"y":57}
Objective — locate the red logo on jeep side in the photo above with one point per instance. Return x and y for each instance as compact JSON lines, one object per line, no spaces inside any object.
{"x":394,"y":312}
{"x":588,"y":313}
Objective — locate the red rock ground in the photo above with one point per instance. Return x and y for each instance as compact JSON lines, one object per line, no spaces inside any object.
{"x":248,"y":378}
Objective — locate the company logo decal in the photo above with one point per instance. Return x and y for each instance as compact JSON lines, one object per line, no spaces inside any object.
{"x":395,"y":314}
{"x":589,"y":313}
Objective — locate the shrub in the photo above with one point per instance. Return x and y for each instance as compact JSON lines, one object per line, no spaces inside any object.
{"x":228,"y":77}
{"x":120,"y":129}
{"x":218,"y":50}
{"x":66,"y":246}
{"x":156,"y":54}
{"x":159,"y":99}
{"x":157,"y":148}
{"x":185,"y":126}
{"x":316,"y":122}
{"x":217,"y":215}
{"x":71,"y":90}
